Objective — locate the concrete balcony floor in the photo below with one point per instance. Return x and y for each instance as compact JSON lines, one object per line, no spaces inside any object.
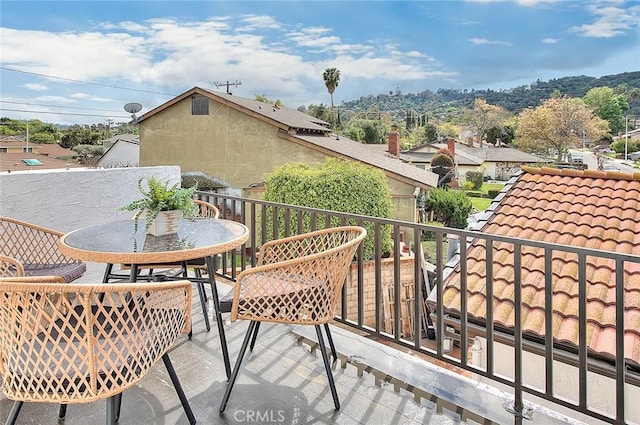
{"x":281,"y":382}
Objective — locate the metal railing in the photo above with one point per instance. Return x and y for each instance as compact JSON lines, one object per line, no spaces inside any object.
{"x":267,"y":220}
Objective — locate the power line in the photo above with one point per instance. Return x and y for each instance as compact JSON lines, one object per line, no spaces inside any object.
{"x":57,"y":106}
{"x":85,"y":82}
{"x":64,"y":113}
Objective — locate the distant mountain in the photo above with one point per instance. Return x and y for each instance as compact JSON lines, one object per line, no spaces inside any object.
{"x":444,"y":101}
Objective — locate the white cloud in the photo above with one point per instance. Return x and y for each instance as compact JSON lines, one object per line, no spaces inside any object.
{"x":35,"y":86}
{"x":482,"y":41}
{"x":610,"y":21}
{"x":549,"y":40}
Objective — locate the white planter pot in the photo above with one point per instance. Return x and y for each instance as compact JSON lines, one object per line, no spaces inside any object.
{"x":166,"y":223}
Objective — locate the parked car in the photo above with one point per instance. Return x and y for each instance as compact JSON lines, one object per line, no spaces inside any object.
{"x":634,"y":156}
{"x":576,"y":157}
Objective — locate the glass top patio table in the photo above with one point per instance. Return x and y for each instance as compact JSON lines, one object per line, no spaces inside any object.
{"x":127,"y":242}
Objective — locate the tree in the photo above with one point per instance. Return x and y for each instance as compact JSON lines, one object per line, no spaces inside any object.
{"x":331,"y":77}
{"x":482,"y":117}
{"x":557,"y":124}
{"x":609,"y":106}
{"x":451,"y":207}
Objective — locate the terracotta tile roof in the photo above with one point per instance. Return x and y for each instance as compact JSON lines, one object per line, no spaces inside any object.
{"x":589,"y":209}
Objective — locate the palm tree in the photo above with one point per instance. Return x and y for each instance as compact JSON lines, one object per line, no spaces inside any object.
{"x":331,"y":78}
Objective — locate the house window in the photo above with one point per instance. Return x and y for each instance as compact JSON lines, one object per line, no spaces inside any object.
{"x":27,"y":149}
{"x":199,"y":105}
{"x":3,"y":150}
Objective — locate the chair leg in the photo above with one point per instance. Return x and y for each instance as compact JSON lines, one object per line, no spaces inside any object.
{"x":198,"y":273}
{"x":330,"y":339}
{"x":203,"y":304}
{"x":62,"y":412}
{"x":327,"y":366}
{"x":112,"y":407}
{"x":236,"y":368}
{"x":178,"y":387}
{"x":118,"y":406}
{"x":15,"y":410}
{"x":255,"y":335}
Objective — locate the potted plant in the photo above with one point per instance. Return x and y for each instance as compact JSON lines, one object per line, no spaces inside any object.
{"x":163,"y":206}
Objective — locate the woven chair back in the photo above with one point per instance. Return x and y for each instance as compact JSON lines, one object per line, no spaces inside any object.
{"x":30,"y":244}
{"x":70,"y":343}
{"x":298,"y":279}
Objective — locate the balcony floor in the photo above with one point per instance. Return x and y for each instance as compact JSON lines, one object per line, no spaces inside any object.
{"x":282,"y":381}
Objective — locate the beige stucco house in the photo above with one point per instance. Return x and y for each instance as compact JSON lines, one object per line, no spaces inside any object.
{"x":239,"y":141}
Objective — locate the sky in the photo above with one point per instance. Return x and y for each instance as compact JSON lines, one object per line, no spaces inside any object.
{"x":80,"y":62}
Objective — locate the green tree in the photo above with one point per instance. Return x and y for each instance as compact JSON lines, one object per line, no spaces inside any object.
{"x":609,"y":106}
{"x":482,"y":116}
{"x":331,"y":77}
{"x":450,"y":207}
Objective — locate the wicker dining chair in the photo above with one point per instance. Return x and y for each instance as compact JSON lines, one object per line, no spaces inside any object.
{"x":79,"y":343}
{"x":37,"y":250}
{"x":298,"y":280}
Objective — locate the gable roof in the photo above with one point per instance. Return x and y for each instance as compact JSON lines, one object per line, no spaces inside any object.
{"x":500,"y":154}
{"x":299,"y":127}
{"x":285,"y":118}
{"x":587,"y":209}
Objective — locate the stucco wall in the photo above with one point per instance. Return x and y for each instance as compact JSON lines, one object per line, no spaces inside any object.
{"x":69,"y":199}
{"x":227,"y":144}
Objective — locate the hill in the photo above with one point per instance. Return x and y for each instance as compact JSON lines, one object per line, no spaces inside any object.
{"x":443,"y":101}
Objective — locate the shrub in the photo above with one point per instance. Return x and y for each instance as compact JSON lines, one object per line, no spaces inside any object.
{"x":476,"y":178}
{"x":337,"y":185}
{"x":450,"y":207}
{"x":493,"y":193}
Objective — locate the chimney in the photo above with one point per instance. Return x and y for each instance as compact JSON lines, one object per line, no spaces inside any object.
{"x":394,"y":143}
{"x":451,"y":146}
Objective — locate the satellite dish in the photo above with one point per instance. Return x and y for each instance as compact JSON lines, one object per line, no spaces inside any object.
{"x":133,"y":107}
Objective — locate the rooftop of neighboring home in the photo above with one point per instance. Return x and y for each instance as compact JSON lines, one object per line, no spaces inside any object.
{"x":303,"y":128}
{"x":587,"y":209}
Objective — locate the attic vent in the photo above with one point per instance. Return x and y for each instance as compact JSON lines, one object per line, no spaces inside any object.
{"x":199,"y":105}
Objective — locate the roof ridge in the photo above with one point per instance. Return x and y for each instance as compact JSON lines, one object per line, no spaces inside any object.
{"x":614,"y":175}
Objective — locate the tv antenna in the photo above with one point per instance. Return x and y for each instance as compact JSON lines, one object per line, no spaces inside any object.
{"x":132,"y":108}
{"x":228,"y":84}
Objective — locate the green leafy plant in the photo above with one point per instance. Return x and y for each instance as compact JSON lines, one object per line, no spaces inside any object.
{"x":160,"y":197}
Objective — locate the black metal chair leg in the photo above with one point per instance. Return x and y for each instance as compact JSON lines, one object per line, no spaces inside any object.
{"x":255,"y":335}
{"x":112,"y":407}
{"x":178,"y":387}
{"x":216,"y":306}
{"x":15,"y":410}
{"x":118,"y":406}
{"x":330,"y":339}
{"x":327,"y":366}
{"x":62,"y":412}
{"x":236,"y":368}
{"x":198,"y":273}
{"x":203,"y":304}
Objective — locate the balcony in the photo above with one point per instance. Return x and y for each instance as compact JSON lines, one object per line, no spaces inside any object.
{"x":389,"y":371}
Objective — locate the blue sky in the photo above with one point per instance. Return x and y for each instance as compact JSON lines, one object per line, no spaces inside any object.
{"x":81,"y":61}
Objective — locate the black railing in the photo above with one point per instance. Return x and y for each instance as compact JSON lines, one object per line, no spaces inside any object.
{"x":365,"y":305}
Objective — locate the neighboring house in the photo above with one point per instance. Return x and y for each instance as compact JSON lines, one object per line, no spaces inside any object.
{"x":239,"y":141}
{"x":18,"y":155}
{"x":121,"y":151}
{"x":496,"y":163}
{"x":586,"y":209}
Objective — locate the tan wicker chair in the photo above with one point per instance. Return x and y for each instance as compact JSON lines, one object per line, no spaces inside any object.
{"x":36,"y":249}
{"x":70,"y":343}
{"x":298,"y":280}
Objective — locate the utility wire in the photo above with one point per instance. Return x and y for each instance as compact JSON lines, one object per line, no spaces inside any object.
{"x":65,"y":113}
{"x":56,"y":106}
{"x":85,"y":82}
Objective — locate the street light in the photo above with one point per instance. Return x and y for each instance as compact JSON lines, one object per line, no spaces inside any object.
{"x":626,"y":136}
